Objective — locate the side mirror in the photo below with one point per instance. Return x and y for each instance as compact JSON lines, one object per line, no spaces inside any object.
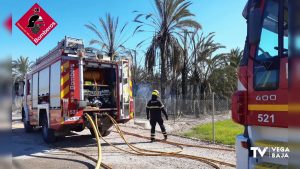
{"x":254,"y":25}
{"x":19,"y":88}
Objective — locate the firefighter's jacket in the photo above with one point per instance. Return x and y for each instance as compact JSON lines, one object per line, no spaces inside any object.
{"x":154,"y":108}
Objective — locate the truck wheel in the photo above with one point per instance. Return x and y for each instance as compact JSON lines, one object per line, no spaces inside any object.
{"x":92,"y":132}
{"x":78,"y":128}
{"x":103,"y":133}
{"x":27,"y":127}
{"x":48,"y":133}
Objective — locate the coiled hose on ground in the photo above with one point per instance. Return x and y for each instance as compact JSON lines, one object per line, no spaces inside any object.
{"x":144,"y":152}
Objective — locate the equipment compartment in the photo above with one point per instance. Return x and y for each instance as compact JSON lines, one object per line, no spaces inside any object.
{"x":100,"y":87}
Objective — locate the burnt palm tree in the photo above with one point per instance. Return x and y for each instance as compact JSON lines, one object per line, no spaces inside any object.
{"x":203,"y":61}
{"x":20,"y":67}
{"x":170,"y":17}
{"x":185,"y":41}
{"x":110,"y":37}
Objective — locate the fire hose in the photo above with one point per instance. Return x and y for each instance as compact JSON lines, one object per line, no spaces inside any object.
{"x":95,"y":129}
{"x":170,"y":154}
{"x":144,"y":152}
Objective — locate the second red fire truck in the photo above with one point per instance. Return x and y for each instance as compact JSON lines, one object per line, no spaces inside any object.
{"x":72,"y":80}
{"x":261,"y":101}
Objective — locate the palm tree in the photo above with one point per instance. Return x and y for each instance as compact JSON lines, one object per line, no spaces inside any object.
{"x":203,"y":61}
{"x":20,"y":67}
{"x":110,"y":37}
{"x":185,"y":41}
{"x":235,"y":56}
{"x":223,"y":77}
{"x":171,"y":16}
{"x":132,"y":54}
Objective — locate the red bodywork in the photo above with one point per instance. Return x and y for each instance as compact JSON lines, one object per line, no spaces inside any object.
{"x":260,"y":107}
{"x":70,"y":93}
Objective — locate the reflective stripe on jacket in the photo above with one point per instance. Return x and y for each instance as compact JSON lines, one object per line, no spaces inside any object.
{"x":154,"y":108}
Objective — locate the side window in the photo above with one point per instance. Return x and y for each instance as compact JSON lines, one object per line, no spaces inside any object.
{"x":266,"y":66}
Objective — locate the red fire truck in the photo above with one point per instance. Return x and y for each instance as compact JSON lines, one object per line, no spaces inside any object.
{"x":71,"y":80}
{"x":261,"y":101}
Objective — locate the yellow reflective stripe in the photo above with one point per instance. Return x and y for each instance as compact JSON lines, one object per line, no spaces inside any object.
{"x":268,"y":107}
{"x":270,"y":166}
{"x":64,"y":79}
{"x":154,"y":107}
{"x":66,"y":65}
{"x":64,"y":91}
{"x":268,"y":143}
{"x":294,"y":108}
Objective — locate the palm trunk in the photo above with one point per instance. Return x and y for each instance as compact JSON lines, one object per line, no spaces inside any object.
{"x":184,"y":78}
{"x":163,"y":77}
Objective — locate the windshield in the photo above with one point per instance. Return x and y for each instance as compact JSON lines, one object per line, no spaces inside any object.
{"x":268,"y":46}
{"x":266,"y":67}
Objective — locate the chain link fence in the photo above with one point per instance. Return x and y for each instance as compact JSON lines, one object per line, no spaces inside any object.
{"x":187,"y":108}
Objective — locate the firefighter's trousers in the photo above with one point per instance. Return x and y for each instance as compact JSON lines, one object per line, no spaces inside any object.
{"x":162,"y":127}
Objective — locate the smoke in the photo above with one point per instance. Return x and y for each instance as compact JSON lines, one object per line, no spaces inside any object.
{"x":143,"y":90}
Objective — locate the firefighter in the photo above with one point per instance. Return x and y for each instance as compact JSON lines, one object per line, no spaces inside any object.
{"x":154,"y":108}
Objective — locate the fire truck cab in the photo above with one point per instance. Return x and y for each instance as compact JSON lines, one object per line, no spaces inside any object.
{"x":71,"y":80}
{"x":261,"y":101}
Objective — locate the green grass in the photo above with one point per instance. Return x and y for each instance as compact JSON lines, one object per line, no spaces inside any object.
{"x":225,"y":132}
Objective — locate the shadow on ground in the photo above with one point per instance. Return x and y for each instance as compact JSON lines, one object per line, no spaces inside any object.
{"x":27,"y":144}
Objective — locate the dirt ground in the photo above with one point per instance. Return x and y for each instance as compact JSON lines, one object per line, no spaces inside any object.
{"x":29,"y":150}
{"x":176,"y":126}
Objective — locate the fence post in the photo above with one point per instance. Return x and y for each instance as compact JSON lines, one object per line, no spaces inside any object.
{"x":227,"y":104}
{"x":175,"y":111}
{"x":146,"y":102}
{"x":213,"y":116}
{"x":194,"y":108}
{"x":134,"y":113}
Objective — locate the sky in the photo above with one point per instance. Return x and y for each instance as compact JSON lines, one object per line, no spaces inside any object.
{"x":224,"y":17}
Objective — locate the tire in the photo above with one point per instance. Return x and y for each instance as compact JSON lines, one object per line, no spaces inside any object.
{"x":103,"y":133}
{"x":27,"y":127}
{"x":104,"y":127}
{"x":92,"y":132}
{"x":48,"y":133}
{"x":78,"y":128}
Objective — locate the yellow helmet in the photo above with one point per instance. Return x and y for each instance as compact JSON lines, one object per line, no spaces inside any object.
{"x":155,"y":93}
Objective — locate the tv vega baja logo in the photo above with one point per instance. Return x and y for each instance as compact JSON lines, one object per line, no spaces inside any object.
{"x":272,"y":152}
{"x":36,"y":24}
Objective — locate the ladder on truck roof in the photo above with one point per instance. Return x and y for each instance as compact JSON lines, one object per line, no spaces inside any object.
{"x":67,"y":45}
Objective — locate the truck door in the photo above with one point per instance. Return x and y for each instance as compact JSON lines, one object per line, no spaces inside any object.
{"x":125,"y":90}
{"x":269,"y":84}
